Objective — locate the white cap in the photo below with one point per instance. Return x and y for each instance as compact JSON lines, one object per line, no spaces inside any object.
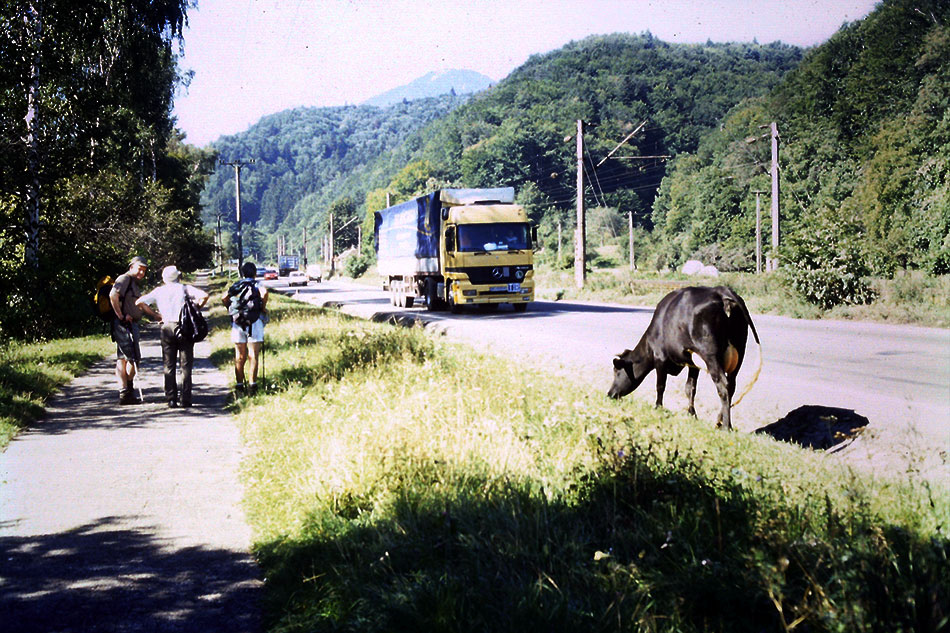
{"x":170,"y":274}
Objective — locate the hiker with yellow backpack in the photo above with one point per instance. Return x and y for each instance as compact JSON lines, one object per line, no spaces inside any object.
{"x":125,"y":328}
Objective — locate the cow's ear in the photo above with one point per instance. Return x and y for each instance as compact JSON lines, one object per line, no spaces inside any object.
{"x":619,"y":363}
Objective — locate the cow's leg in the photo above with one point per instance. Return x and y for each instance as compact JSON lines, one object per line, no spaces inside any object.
{"x":721,"y":380}
{"x":660,"y":386}
{"x":691,"y":378}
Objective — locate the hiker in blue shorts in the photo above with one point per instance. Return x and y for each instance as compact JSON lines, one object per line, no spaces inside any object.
{"x":125,"y":328}
{"x":246,"y":301}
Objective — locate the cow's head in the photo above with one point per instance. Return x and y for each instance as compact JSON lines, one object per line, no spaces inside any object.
{"x":630,"y":368}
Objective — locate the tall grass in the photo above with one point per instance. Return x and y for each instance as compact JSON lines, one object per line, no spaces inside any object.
{"x":400,"y":483}
{"x":32,"y":372}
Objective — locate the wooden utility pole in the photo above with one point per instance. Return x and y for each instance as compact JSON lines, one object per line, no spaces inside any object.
{"x":775,"y":197}
{"x":633,"y":260}
{"x":305,"y":246}
{"x":580,"y":259}
{"x":238,"y":164}
{"x":758,"y":231}
{"x":558,"y":242}
{"x":331,"y":246}
{"x":220,"y":246}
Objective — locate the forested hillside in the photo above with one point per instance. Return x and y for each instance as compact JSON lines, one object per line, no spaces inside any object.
{"x":309,"y":157}
{"x":512,"y":134}
{"x":864,"y":159}
{"x":91,"y":168}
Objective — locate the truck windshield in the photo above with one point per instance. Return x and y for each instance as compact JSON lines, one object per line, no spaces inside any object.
{"x":506,"y":236}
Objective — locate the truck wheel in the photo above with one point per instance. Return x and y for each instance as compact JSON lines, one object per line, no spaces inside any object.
{"x":408,"y":300}
{"x":520,"y":307}
{"x":432,"y":297}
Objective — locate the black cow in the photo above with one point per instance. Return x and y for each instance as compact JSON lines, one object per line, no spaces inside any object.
{"x":709,"y":322}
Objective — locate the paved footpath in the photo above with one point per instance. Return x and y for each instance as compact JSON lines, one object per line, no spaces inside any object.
{"x":127,"y":519}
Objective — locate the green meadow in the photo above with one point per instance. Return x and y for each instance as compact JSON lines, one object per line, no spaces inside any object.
{"x":399,"y":482}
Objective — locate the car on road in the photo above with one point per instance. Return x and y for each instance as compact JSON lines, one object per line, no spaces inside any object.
{"x":297,"y":278}
{"x":261,"y":271}
{"x":270,"y":273}
{"x":315,"y":273}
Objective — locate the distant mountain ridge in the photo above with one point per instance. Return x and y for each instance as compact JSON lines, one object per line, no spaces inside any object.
{"x":433,"y":84}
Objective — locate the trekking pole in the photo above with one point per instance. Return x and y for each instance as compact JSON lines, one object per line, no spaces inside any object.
{"x":136,"y":365}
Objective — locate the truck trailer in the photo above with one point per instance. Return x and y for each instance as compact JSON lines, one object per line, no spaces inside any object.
{"x":457,"y":247}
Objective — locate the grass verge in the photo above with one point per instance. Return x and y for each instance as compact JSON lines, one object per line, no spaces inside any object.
{"x":396,"y":482}
{"x":32,"y":372}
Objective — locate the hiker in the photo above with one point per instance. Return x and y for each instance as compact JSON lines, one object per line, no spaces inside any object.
{"x":169,"y":298}
{"x":125,"y":328}
{"x":246,"y":301}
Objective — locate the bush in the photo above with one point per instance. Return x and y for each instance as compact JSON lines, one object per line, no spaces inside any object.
{"x":356,"y":265}
{"x":825,"y":264}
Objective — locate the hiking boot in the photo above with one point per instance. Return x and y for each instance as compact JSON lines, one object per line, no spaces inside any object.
{"x":172,"y":404}
{"x":252,"y":389}
{"x":240,"y":390}
{"x":127,"y":396}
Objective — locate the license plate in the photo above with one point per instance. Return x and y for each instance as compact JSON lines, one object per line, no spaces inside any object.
{"x":498,"y":289}
{"x":514,"y":287}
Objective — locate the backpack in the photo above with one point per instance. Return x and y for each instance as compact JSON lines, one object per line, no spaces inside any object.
{"x":192,"y":327}
{"x":101,"y":305}
{"x":247,"y":306}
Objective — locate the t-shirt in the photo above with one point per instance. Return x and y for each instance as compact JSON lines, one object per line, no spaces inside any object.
{"x":169,"y":297}
{"x":127,"y":287}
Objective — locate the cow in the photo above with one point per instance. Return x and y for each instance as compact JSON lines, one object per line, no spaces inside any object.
{"x":709,"y":322}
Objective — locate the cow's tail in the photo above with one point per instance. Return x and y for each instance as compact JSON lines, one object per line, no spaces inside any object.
{"x":732,"y":301}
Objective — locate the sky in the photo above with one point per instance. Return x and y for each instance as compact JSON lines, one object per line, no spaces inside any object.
{"x":251,"y":58}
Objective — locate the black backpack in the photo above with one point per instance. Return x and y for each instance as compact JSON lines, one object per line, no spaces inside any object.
{"x":192,"y":326}
{"x":246,"y":307}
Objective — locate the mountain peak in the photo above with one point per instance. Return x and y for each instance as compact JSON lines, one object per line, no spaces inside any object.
{"x":433,"y":84}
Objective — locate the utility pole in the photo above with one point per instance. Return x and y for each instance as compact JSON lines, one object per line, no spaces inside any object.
{"x":775,"y":193}
{"x":238,"y":164}
{"x":633,"y":261}
{"x":580,"y":259}
{"x":305,"y":245}
{"x":331,"y":246}
{"x":558,"y":242}
{"x":220,"y":248}
{"x":758,"y":230}
{"x":771,"y":262}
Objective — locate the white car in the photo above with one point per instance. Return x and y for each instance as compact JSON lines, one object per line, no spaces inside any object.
{"x":297,"y":278}
{"x":315,"y":273}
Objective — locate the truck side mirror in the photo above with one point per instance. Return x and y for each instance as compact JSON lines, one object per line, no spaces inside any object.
{"x":450,"y":239}
{"x":534,"y":236}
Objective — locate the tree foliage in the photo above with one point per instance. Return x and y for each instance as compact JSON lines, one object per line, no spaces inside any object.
{"x":113,"y":178}
{"x":865,"y":137}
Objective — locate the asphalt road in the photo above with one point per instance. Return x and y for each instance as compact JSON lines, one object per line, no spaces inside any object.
{"x":897,"y":377}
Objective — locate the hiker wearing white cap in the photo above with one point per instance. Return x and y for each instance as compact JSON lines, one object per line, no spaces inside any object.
{"x":125,"y":327}
{"x":169,"y":298}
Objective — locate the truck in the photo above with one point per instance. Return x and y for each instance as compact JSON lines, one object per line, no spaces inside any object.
{"x":287,"y":263}
{"x":457,"y":247}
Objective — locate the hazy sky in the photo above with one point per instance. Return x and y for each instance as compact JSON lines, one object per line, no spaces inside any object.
{"x":255,"y":57}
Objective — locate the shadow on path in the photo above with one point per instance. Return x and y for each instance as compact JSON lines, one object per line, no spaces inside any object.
{"x":102,"y":576}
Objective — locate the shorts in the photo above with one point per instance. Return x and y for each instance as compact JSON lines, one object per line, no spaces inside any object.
{"x":240,"y":335}
{"x":126,"y":337}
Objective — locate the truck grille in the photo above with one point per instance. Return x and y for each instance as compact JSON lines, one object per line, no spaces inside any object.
{"x":481,"y":275}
